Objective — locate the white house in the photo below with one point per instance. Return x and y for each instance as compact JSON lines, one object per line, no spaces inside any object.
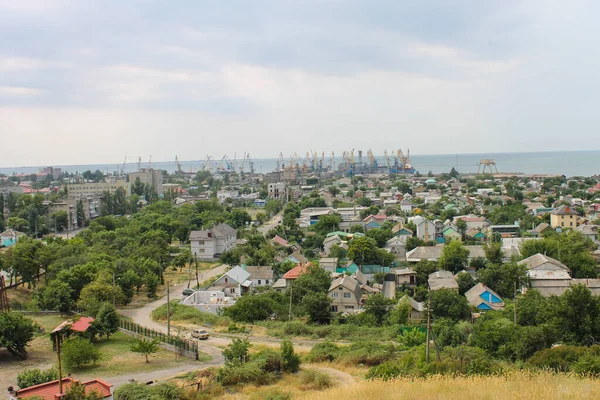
{"x":426,"y":230}
{"x":234,"y":282}
{"x":209,"y":244}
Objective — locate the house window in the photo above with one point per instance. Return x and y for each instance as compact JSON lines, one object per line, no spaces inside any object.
{"x":266,"y":281}
{"x":340,"y":288}
{"x":202,"y":251}
{"x":347,"y":295}
{"x":200,"y":242}
{"x":571,"y":224}
{"x":334,"y":308}
{"x":334,"y":295}
{"x":349,"y":307}
{"x":259,"y":281}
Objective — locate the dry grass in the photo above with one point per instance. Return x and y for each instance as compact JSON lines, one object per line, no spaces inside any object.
{"x":516,"y":385}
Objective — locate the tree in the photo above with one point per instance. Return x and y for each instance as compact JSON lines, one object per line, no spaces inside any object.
{"x":454,"y":257}
{"x":58,"y":295}
{"x":16,"y":331}
{"x":77,"y":391}
{"x":251,"y":308}
{"x":290,"y":361}
{"x":316,"y":306}
{"x":578,"y":316}
{"x":60,"y":219}
{"x":465,"y":282}
{"x":78,"y":352}
{"x":446,"y":303}
{"x":145,"y":347}
{"x":361,"y":249}
{"x":18,"y":224}
{"x":377,"y":305}
{"x":327,"y":223}
{"x":80,"y":214}
{"x":237,"y":351}
{"x":461,"y":225}
{"x":107,"y":320}
{"x":503,"y":278}
{"x":34,"y":376}
{"x":151,"y":281}
{"x":314,"y":280}
{"x":413,"y":242}
{"x":493,"y":253}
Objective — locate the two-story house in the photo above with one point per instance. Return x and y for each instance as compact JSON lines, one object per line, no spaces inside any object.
{"x":209,"y":244}
{"x":564,"y":217}
{"x":345,"y":294}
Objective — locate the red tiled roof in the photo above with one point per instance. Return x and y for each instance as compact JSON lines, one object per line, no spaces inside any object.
{"x":49,"y":390}
{"x":279,"y":240}
{"x":81,"y":325}
{"x":296,"y":271}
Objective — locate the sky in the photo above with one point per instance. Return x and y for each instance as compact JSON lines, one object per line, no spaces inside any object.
{"x":85,"y":82}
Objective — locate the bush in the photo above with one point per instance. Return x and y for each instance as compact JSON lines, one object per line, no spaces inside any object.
{"x":367,"y":353}
{"x":78,"y":352}
{"x":323,"y":352}
{"x":290,"y":362}
{"x":138,"y":391}
{"x":33,"y":376}
{"x":315,"y":380}
{"x":189,"y":314}
{"x":251,"y":308}
{"x":385,"y":371}
{"x":271,"y":394}
{"x":250,"y":372}
{"x":268,"y":359}
{"x":587,"y":365}
{"x":413,"y":337}
{"x":561,"y":358}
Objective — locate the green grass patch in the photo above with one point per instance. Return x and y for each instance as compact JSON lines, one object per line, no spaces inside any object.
{"x":347,"y":332}
{"x":188,"y":314}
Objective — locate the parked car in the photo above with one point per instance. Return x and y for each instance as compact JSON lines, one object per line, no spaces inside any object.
{"x":188,"y":292}
{"x":201,"y":334}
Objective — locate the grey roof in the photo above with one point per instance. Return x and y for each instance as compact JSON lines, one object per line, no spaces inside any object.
{"x":542,"y":227}
{"x":280,"y":284}
{"x":539,"y":259}
{"x":219,"y":231}
{"x":418,"y":306}
{"x":441,"y":275}
{"x":443,"y":283}
{"x":588,"y":229}
{"x":404,"y":271}
{"x":260,"y":272}
{"x":433,"y":253}
{"x":473,"y":296}
{"x":546,"y":274}
{"x":346,"y":281}
{"x":238,"y":274}
{"x":564,"y":210}
{"x":329,"y":260}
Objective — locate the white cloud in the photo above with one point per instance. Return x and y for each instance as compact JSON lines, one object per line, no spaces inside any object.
{"x":8,"y":64}
{"x":19,"y":91}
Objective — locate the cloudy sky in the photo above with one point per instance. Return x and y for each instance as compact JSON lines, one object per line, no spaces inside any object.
{"x":92,"y":81}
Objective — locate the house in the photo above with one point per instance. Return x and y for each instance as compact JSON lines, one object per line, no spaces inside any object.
{"x":484,"y":298}
{"x":260,"y":275}
{"x":210,"y":244}
{"x":345,"y":294}
{"x":51,"y":390}
{"x":290,"y":276}
{"x":417,"y":309}
{"x":472,"y":221}
{"x":278,"y":240}
{"x":476,"y":234}
{"x":234,"y":282}
{"x":397,"y":246}
{"x":426,"y":230}
{"x":374,"y":221}
{"x":402,"y":232}
{"x":589,"y":231}
{"x":546,"y":274}
{"x":329,"y":242}
{"x":10,"y":237}
{"x":329,"y":264}
{"x":442,"y":280}
{"x":73,"y":327}
{"x":297,"y":258}
{"x":541,"y":228}
{"x":405,"y":276}
{"x":406,"y":206}
{"x":450,"y":234}
{"x":564,"y":217}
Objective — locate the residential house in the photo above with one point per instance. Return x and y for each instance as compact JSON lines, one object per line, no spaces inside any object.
{"x":297,"y":258}
{"x":426,"y":230}
{"x":345,"y":294}
{"x":260,"y":275}
{"x":329,"y":242}
{"x":329,"y":264}
{"x":472,"y":221}
{"x":397,"y":246}
{"x":234,"y":283}
{"x":442,"y":280}
{"x":484,"y":298}
{"x":405,"y":276}
{"x":374,"y":221}
{"x":73,"y":327}
{"x":417,"y":309}
{"x":9,"y":237}
{"x":433,"y":253}
{"x":406,"y":206}
{"x":589,"y":231}
{"x":402,"y":232}
{"x":284,"y":282}
{"x":476,"y":234}
{"x":541,"y":228}
{"x":564,"y":217}
{"x":209,"y":244}
{"x":546,"y":274}
{"x":451,"y":234}
{"x":51,"y":390}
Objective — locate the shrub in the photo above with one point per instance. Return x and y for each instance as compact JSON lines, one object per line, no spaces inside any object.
{"x":269,"y":360}
{"x":323,"y":352}
{"x":367,"y":353}
{"x":290,"y":362}
{"x":33,"y":376}
{"x":250,"y":372}
{"x":587,"y":365}
{"x":561,"y":358}
{"x":315,"y":380}
{"x":189,"y":314}
{"x":413,"y":337}
{"x":385,"y":371}
{"x":78,"y":352}
{"x":271,"y":394}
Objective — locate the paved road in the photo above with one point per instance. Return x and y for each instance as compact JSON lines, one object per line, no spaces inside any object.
{"x":267,"y":226}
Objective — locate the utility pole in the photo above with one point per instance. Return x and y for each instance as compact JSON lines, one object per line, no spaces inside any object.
{"x":428,"y":326}
{"x":114,"y":287}
{"x":290,"y":312}
{"x":60,"y":385}
{"x":197,"y":281}
{"x":168,"y":310}
{"x":515,"y":304}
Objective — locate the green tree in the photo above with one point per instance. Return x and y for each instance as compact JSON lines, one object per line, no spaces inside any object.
{"x":503,"y":278}
{"x":378,"y":306}
{"x":33,"y":376}
{"x":145,"y":347}
{"x":316,"y":306}
{"x":327,"y":223}
{"x":151,"y":281}
{"x":290,"y":361}
{"x":578,"y":316}
{"x":107,"y":320}
{"x":237,"y":352}
{"x":446,"y":303}
{"x":493,"y":253}
{"x":314,"y":280}
{"x":16,"y":331}
{"x":454,"y":257}
{"x":78,"y":352}
{"x":80,"y":214}
{"x":361,"y":249}
{"x":465,"y":282}
{"x":251,"y":308}
{"x":57,"y":296}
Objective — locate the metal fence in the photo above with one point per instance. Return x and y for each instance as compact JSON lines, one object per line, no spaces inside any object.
{"x":183,"y":346}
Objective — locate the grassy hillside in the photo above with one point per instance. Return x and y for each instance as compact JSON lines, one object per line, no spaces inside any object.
{"x":516,"y":385}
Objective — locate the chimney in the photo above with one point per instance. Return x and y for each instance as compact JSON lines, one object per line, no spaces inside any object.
{"x":210,"y":234}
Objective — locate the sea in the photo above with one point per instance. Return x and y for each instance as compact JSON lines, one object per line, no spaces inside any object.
{"x":568,"y":163}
